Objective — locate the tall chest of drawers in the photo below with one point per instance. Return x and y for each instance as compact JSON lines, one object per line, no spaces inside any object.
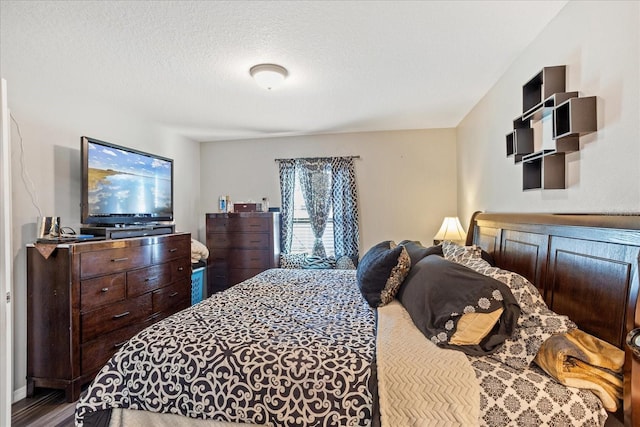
{"x":241,"y":245}
{"x":85,"y":300}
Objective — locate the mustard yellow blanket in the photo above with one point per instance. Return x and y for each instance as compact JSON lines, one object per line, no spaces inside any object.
{"x":577,"y":359}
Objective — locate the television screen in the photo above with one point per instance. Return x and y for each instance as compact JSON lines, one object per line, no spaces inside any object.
{"x":124,"y":186}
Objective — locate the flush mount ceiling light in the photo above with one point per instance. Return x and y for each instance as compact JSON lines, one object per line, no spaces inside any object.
{"x":269,"y":76}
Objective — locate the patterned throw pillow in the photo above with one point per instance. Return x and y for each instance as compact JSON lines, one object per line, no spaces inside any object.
{"x":471,"y":256}
{"x":456,"y":253}
{"x":381,"y":272}
{"x":292,"y":260}
{"x":345,"y":263}
{"x":536,"y":322}
{"x":316,"y":263}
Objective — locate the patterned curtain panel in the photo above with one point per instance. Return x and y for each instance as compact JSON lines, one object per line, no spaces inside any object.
{"x":325,"y":182}
{"x":287,"y":186}
{"x":345,"y":207}
{"x":315,"y":181}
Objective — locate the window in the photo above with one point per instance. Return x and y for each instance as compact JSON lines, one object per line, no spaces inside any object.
{"x":334,"y":211}
{"x":303,"y":239}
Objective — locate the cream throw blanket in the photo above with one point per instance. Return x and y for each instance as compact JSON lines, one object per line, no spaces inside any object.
{"x":420,"y":384}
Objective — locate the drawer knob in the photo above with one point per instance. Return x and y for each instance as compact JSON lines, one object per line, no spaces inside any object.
{"x":148,"y":279}
{"x":173,"y":249}
{"x":103,"y":290}
{"x":119,"y":259}
{"x":118,"y":316}
{"x":180,"y":268}
{"x":173,"y":294}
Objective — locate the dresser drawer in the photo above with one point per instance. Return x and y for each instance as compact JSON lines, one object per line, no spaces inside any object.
{"x":170,"y":249}
{"x":170,"y":296}
{"x":217,"y":278}
{"x":248,"y":258}
{"x":148,"y":279}
{"x":238,"y":223}
{"x":238,"y":240}
{"x":217,"y":255}
{"x":113,"y":260}
{"x":114,"y":316}
{"x":97,"y":352}
{"x":181,"y":270}
{"x":102,"y":290}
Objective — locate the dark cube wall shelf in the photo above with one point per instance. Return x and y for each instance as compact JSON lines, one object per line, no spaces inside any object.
{"x":544,"y":84}
{"x":575,"y":117}
{"x":520,"y":143}
{"x":544,"y":170}
{"x":567,"y":144}
{"x":547,"y":106}
{"x":551,"y":124}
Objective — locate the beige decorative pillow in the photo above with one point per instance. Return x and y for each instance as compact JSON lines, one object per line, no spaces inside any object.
{"x":473,"y":327}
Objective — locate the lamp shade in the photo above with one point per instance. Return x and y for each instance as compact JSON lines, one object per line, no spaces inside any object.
{"x":451,"y":230}
{"x":268,"y":76}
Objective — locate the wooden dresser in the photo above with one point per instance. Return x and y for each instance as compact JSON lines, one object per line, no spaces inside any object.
{"x":241,"y":245}
{"x":87,"y":299}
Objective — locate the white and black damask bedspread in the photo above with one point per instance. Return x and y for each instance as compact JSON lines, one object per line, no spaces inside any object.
{"x":531,"y":398}
{"x":287,"y":347}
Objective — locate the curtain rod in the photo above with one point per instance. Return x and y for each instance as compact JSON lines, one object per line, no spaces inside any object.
{"x":315,"y":158}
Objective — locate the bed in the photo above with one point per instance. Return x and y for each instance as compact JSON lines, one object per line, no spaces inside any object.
{"x":303,"y":347}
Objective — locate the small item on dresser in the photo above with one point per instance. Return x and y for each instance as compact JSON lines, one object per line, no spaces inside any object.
{"x":247,"y":207}
{"x":265,"y":204}
{"x":222,"y":204}
{"x":48,"y":226}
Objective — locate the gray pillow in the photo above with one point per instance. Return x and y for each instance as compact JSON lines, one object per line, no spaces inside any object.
{"x":437,"y":293}
{"x":417,"y":251}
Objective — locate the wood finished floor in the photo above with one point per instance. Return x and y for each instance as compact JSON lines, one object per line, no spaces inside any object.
{"x":47,"y":408}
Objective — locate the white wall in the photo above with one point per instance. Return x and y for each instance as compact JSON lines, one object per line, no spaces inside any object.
{"x":406,"y":179}
{"x":599,"y":43}
{"x":46,"y":168}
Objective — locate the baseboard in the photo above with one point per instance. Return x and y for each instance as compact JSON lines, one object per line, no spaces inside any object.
{"x":19,"y":394}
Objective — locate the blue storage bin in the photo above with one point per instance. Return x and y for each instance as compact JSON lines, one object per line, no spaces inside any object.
{"x":197,"y":285}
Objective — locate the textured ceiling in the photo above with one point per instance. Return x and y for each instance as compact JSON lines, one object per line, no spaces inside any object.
{"x":353,"y":66}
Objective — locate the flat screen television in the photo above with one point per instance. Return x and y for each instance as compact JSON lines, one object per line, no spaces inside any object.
{"x":122,"y":186}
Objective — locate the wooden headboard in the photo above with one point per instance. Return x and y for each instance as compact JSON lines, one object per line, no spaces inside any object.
{"x":585,"y":267}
